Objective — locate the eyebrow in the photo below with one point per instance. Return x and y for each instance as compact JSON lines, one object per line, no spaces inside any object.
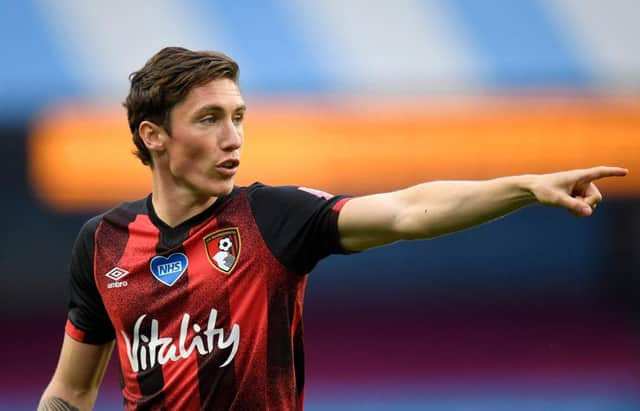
{"x":217,"y":109}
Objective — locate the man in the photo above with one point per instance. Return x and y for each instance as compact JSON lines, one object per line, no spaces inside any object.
{"x":201,"y":283}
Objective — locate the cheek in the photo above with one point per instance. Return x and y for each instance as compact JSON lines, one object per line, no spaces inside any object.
{"x":190,"y":144}
{"x":194,"y":152}
{"x":189,"y":157}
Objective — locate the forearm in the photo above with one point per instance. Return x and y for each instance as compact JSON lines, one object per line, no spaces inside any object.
{"x":441,"y":207}
{"x":58,"y":398}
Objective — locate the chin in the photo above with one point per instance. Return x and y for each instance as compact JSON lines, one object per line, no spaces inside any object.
{"x":221,"y":189}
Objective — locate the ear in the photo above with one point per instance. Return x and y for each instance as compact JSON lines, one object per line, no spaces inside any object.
{"x":153,"y":136}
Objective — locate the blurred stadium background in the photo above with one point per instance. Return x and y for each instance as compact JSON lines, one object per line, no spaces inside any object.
{"x":537,"y":311}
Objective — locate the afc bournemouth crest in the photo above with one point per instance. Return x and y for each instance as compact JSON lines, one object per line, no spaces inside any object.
{"x":223,"y":248}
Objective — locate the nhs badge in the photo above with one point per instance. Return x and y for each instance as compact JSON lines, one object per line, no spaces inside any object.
{"x":167,"y":270}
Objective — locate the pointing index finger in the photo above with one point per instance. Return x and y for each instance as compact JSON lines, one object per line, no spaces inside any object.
{"x":596,"y":173}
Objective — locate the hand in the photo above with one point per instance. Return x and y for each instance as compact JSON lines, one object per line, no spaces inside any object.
{"x":574,"y":189}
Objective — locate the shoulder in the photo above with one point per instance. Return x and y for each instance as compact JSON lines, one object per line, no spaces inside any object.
{"x":127,"y":211}
{"x":298,"y":224}
{"x":120,"y":214}
{"x":285,"y":195}
{"x":123,"y":213}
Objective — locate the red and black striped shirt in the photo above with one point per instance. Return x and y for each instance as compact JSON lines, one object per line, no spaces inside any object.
{"x":207,"y":315}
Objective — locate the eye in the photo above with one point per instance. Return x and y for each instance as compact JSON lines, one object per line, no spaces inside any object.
{"x":237,"y":119}
{"x":208,"y":120}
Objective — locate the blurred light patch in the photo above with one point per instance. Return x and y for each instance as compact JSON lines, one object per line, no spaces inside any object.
{"x":80,"y":156}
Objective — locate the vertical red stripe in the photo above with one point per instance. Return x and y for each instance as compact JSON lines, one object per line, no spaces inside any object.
{"x":140,"y":228}
{"x":297,"y":341}
{"x":181,"y":380}
{"x":248,"y":303}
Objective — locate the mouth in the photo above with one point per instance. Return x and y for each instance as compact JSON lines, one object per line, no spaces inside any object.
{"x":228,"y":167}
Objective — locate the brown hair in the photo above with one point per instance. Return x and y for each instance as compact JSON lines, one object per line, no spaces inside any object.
{"x":165,"y":80}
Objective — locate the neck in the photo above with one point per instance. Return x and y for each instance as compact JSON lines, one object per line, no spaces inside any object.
{"x":175,"y":203}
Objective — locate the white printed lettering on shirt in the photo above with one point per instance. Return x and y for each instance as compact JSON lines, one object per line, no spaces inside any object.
{"x":162,"y":349}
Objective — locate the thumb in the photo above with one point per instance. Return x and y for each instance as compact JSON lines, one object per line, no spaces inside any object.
{"x":576,"y":205}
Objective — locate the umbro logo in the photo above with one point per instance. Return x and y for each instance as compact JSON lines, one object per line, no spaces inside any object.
{"x":116,"y":274}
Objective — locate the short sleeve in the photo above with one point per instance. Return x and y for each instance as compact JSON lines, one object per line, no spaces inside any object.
{"x":87,"y":319}
{"x":299,"y":224}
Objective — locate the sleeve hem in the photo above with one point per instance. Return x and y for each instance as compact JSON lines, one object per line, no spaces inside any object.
{"x":81,"y":336}
{"x":336,"y":209}
{"x":340,"y":203}
{"x":74,"y":332}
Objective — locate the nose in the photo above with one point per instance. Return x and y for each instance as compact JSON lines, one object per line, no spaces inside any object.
{"x":232,"y":136}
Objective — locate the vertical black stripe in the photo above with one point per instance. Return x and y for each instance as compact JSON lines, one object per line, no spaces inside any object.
{"x":279,"y":317}
{"x":151,"y":381}
{"x":217,"y":386}
{"x":281,"y":305}
{"x":86,"y":309}
{"x":298,"y":357}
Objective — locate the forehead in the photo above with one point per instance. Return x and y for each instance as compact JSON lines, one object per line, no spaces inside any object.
{"x":223,"y":93}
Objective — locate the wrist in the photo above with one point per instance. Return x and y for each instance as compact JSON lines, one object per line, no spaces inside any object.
{"x":526,"y":184}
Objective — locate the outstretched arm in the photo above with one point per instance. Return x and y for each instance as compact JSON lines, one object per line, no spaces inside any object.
{"x":74,"y":386}
{"x":431,"y":209}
